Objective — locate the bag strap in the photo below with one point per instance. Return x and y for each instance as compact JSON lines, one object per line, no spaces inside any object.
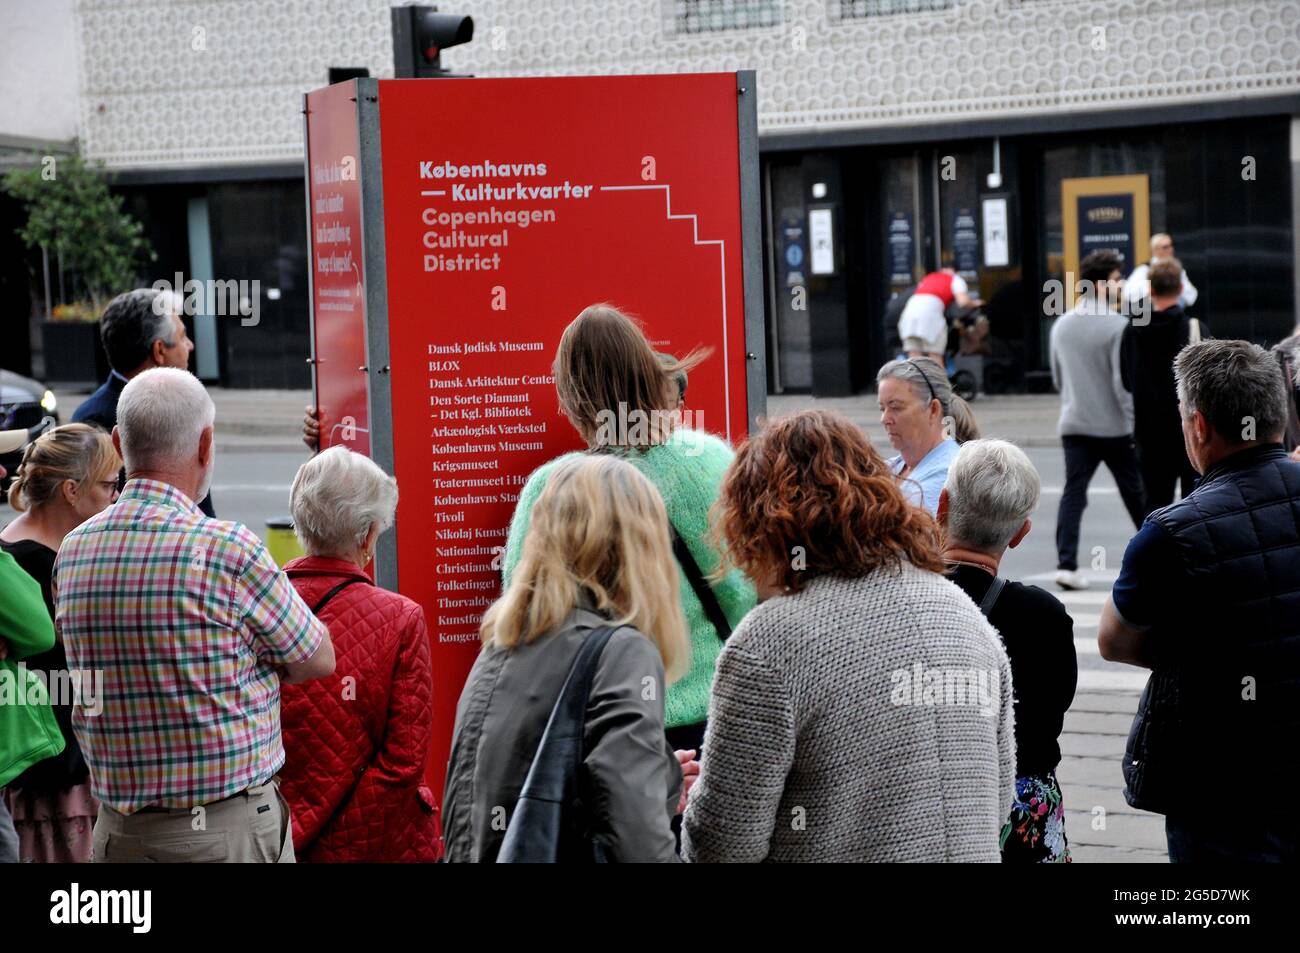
{"x":566,"y":725}
{"x":991,"y":597}
{"x":703,"y":591}
{"x":708,"y":599}
{"x":315,"y":610}
{"x":1193,"y":331}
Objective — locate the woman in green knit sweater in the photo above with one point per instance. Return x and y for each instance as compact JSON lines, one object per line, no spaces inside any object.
{"x":624,"y":400}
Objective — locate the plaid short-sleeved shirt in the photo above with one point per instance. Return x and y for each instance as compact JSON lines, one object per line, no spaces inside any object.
{"x":183,"y":617}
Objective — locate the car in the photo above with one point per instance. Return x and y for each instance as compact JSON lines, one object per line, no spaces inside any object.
{"x":24,"y":403}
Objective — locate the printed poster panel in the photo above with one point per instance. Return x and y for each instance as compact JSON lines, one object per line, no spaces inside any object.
{"x":509,"y":206}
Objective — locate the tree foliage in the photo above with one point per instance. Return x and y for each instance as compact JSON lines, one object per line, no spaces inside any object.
{"x":72,"y":213}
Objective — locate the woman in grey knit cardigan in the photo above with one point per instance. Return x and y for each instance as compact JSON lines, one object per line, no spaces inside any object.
{"x":863,"y":711}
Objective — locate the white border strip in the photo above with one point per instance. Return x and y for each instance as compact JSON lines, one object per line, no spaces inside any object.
{"x":722,"y":247}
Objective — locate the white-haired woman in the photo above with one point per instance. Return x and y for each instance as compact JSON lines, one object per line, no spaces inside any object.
{"x":991,"y":490}
{"x":357,"y":743}
{"x":596,"y":554}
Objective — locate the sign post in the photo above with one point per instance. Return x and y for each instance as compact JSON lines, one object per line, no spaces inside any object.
{"x":492,"y":211}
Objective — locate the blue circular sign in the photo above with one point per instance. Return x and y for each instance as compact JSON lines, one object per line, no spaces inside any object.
{"x":794,"y":255}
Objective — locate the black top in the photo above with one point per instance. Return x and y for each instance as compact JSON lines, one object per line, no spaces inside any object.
{"x":69,"y":767}
{"x":1146,"y":362}
{"x":1038,"y":635}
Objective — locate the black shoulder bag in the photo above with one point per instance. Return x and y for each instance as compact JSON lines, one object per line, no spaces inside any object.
{"x":708,"y":599}
{"x":549,"y":824}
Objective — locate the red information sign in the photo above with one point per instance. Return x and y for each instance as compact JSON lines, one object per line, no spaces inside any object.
{"x":509,"y":205}
{"x":337,"y":267}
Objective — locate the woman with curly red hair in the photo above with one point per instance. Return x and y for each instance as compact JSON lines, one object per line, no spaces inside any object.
{"x":863,"y":711}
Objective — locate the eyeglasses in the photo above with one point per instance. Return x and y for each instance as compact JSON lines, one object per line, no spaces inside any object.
{"x":111,"y":484}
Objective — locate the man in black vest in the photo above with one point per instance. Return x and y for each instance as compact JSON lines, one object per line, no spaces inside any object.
{"x":1208,"y":598}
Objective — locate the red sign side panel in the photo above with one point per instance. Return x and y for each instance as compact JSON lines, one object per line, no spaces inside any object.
{"x":338,"y":268}
{"x":510,"y":205}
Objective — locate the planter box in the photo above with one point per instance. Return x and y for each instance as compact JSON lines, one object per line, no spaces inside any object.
{"x":73,"y":353}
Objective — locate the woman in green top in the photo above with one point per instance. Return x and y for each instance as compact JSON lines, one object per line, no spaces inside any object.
{"x":623,"y":399}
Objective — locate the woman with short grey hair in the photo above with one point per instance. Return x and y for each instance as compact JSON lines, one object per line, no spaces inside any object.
{"x":985,"y":507}
{"x":357,"y":743}
{"x":341,"y":501}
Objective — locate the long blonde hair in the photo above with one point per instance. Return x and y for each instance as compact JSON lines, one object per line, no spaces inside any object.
{"x":76,"y":452}
{"x":600,"y":525}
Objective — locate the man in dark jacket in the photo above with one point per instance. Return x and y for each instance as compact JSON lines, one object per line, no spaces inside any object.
{"x":1147,"y":350}
{"x":1208,"y":598}
{"x":140,"y":329}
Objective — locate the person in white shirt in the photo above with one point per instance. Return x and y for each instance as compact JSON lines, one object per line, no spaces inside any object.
{"x":923,"y":325}
{"x":1138,"y":285}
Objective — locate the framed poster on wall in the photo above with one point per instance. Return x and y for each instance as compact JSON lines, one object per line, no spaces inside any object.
{"x":1107,"y":211}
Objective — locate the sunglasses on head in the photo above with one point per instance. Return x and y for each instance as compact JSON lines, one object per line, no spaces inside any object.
{"x":925,"y":377}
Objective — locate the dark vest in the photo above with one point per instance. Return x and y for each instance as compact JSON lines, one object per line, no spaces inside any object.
{"x":1220,"y":716}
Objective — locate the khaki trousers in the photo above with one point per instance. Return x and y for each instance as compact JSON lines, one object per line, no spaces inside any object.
{"x":251,"y":827}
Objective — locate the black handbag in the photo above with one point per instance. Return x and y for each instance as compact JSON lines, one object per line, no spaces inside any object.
{"x":550,"y":822}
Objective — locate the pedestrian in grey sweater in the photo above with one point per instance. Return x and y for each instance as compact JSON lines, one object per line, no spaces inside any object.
{"x":863,"y":711}
{"x":1096,"y":424}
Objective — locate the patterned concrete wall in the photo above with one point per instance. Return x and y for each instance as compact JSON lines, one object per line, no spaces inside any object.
{"x":173,"y":83}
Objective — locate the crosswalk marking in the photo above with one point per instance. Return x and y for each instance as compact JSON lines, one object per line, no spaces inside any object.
{"x":1084,"y":607}
{"x":1058,"y":490}
{"x":1087,"y":597}
{"x":1101,"y":579}
{"x":1126,"y":679}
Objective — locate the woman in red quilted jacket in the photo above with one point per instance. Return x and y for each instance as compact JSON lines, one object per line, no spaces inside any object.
{"x":357,"y":743}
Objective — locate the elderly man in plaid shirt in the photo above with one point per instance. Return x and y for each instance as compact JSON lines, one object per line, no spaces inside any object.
{"x":193,"y":627}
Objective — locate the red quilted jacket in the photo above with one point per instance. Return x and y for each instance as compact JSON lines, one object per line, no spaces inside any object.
{"x":356,"y":743}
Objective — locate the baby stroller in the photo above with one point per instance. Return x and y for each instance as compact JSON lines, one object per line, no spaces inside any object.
{"x":967,"y":334}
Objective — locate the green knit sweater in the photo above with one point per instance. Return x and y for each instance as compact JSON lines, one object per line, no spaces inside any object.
{"x":687,"y":470}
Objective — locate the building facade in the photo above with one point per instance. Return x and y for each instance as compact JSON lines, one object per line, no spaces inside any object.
{"x":936,"y":133}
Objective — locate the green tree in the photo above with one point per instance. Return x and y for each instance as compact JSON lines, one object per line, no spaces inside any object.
{"x":72,"y":213}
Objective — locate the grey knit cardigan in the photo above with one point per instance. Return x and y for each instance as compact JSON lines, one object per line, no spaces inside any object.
{"x":862,"y":719}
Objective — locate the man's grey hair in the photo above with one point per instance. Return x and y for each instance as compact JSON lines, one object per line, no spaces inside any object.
{"x":336,"y":497}
{"x":916,"y":372}
{"x":1238,"y":386}
{"x":161,"y":414}
{"x":133,"y":321}
{"x":992,"y":488}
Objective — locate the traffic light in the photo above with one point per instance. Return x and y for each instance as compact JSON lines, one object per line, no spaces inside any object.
{"x":420,"y":34}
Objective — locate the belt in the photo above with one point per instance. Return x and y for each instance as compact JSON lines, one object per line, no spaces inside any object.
{"x":159,"y":809}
